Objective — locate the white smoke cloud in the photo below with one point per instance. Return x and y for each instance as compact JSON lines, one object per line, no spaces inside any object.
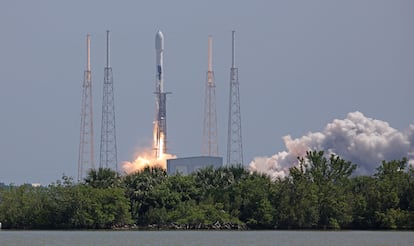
{"x":362,"y":140}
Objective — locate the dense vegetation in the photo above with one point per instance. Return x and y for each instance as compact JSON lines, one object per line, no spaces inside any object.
{"x":320,"y":193}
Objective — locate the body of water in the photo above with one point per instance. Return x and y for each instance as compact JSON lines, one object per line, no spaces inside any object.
{"x":204,"y":238}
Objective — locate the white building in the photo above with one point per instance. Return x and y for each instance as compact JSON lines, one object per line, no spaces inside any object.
{"x":189,"y":165}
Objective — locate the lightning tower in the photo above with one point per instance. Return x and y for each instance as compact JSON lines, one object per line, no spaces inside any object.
{"x":85,"y":160}
{"x":234,"y":138}
{"x":108,"y":151}
{"x":160,"y":123}
{"x":210,"y":146}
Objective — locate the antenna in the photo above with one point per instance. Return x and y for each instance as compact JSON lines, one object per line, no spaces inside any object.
{"x":108,"y":148}
{"x":232,"y":50}
{"x":107,"y":50}
{"x":88,"y":51}
{"x":234,"y":137}
{"x":210,"y":53}
{"x":86,"y":151}
{"x":210,"y":146}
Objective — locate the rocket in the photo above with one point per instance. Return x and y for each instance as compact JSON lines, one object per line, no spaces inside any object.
{"x":159,"y":48}
{"x":160,"y":123}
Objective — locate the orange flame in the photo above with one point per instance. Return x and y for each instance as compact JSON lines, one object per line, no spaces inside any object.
{"x":160,"y":147}
{"x":146,"y":158}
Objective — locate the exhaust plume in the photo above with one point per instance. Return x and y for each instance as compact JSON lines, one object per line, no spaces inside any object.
{"x":145,"y":158}
{"x":362,"y":140}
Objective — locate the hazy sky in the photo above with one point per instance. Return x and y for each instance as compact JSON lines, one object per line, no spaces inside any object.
{"x":301,"y":65}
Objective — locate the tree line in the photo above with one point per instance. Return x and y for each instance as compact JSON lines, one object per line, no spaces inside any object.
{"x":320,"y":193}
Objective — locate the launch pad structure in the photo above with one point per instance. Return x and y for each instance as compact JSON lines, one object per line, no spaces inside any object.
{"x":210,"y":145}
{"x":86,"y":151}
{"x":234,"y":138}
{"x":108,"y":147}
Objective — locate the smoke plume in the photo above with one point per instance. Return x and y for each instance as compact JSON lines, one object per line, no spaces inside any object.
{"x":362,"y":140}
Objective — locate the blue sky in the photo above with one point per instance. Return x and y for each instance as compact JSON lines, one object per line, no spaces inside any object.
{"x":301,"y":65}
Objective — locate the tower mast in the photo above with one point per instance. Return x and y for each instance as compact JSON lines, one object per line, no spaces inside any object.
{"x":234,"y":138}
{"x":86,"y":152}
{"x":108,"y":148}
{"x":210,"y":146}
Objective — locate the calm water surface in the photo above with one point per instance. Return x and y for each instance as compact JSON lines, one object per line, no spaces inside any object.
{"x":202,"y":238}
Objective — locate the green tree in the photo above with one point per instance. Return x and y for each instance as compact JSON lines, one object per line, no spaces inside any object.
{"x":138,"y":187}
{"x":100,"y":208}
{"x":256,"y":209}
{"x":331,"y":177}
{"x":23,"y":207}
{"x":103,"y":178}
{"x":62,"y":204}
{"x":365,"y":201}
{"x":392,"y":183}
{"x":296,"y":200}
{"x":316,"y":193}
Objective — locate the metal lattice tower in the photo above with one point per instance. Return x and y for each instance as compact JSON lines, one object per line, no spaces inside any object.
{"x":210,"y":146}
{"x":108,"y":150}
{"x":85,"y":160}
{"x":234,"y":139}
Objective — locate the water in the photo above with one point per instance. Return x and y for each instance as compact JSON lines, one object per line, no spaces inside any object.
{"x":203,"y":238}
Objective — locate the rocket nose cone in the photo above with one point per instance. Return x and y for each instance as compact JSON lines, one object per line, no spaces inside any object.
{"x":159,"y":41}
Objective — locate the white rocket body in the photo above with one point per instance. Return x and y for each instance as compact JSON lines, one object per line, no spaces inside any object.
{"x":159,"y":48}
{"x":160,"y":123}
